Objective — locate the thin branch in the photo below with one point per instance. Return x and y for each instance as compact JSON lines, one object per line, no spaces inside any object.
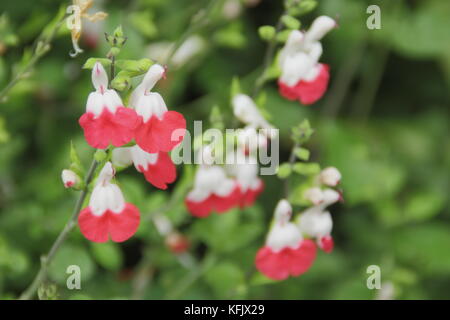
{"x":46,"y":260}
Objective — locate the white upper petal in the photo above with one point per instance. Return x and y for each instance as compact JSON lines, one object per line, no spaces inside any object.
{"x":121,"y":157}
{"x":315,"y":223}
{"x":151,"y":104}
{"x":142,"y":158}
{"x":283,"y":236}
{"x":319,"y":28}
{"x":99,"y":77}
{"x":211,"y":180}
{"x":330,"y":176}
{"x":97,"y":101}
{"x":245,"y":109}
{"x":106,"y":196}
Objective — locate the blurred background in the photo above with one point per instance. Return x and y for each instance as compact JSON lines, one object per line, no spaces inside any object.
{"x":383,"y":123}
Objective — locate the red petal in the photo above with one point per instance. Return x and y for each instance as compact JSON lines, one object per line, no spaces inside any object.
{"x":215,"y":203}
{"x":249,"y":196}
{"x":109,"y":128}
{"x":123,"y":225}
{"x":311,"y":91}
{"x":273,"y":265}
{"x":286,"y":91}
{"x":94,"y":228}
{"x":326,"y":244}
{"x":119,"y":226}
{"x":161,"y":173}
{"x":223,"y":204}
{"x":199,"y":209}
{"x":302,"y":258}
{"x":156,"y":135}
{"x":279,"y":265}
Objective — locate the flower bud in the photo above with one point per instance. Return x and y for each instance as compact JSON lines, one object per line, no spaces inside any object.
{"x":330,"y":176}
{"x":70,"y":179}
{"x":177,"y":243}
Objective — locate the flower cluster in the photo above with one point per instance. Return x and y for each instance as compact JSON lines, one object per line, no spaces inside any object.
{"x":303,"y":78}
{"x":220,"y":188}
{"x":290,"y":249}
{"x":107,"y":123}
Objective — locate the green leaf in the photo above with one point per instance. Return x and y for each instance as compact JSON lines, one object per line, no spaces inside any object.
{"x":284,"y":170}
{"x":290,"y":22}
{"x":235,"y":88}
{"x":302,"y":153}
{"x":306,"y":168}
{"x":266,"y":33}
{"x":108,"y":255}
{"x":75,"y":162}
{"x":89,"y":64}
{"x":71,"y":255}
{"x":283,"y":36}
{"x":225,"y":279}
{"x":135,"y":66}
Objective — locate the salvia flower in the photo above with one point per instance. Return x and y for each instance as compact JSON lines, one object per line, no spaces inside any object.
{"x":245,"y":171}
{"x":158,"y":129}
{"x":246,"y":110}
{"x":286,"y":253}
{"x":158,"y":168}
{"x":70,"y":178}
{"x":106,"y":120}
{"x":213,"y":191}
{"x":108,"y":215}
{"x":302,"y":77}
{"x":317,"y":223}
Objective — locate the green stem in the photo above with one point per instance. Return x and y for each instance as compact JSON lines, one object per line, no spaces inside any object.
{"x":46,"y":260}
{"x":41,"y":48}
{"x":287,"y":185}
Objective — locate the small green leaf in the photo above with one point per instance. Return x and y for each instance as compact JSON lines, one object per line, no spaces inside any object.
{"x":306,"y":168}
{"x":108,"y":255}
{"x":89,"y":64}
{"x":266,"y":33}
{"x":75,"y":162}
{"x":283,"y":36}
{"x":290,"y":22}
{"x":284,"y":171}
{"x":302,"y":154}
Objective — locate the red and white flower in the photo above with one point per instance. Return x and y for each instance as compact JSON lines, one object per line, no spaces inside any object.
{"x":106,"y":120}
{"x":286,"y":253}
{"x":158,"y":168}
{"x":317,"y":223}
{"x":213,"y":191}
{"x":108,"y":215}
{"x":302,"y":77}
{"x":245,"y":109}
{"x":70,"y":178}
{"x":158,"y":129}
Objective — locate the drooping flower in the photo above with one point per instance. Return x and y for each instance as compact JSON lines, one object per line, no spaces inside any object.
{"x":213,"y":191}
{"x":79,"y":10}
{"x":158,"y":168}
{"x":69,"y":178}
{"x":302,"y":77}
{"x":158,"y":129}
{"x":317,"y":223}
{"x":330,"y":176}
{"x":245,"y":109}
{"x":106,"y":120}
{"x":108,"y":215}
{"x":286,"y":253}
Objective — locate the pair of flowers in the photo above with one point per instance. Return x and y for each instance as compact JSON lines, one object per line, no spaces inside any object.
{"x":218,"y":188}
{"x":289,"y":249}
{"x":106,"y":122}
{"x":303,"y":78}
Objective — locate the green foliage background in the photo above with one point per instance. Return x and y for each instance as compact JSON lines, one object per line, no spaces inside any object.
{"x":383,"y":123}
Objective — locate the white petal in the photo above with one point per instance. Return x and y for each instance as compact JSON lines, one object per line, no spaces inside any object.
{"x":151,"y":104}
{"x":283,"y":236}
{"x":142,"y":158}
{"x":153,"y":75}
{"x":112,"y":100}
{"x":121,"y":157}
{"x":95,"y":103}
{"x":283,"y":212}
{"x":99,"y":77}
{"x":321,"y":26}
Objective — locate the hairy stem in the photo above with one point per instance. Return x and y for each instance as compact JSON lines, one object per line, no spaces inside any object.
{"x":46,"y":260}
